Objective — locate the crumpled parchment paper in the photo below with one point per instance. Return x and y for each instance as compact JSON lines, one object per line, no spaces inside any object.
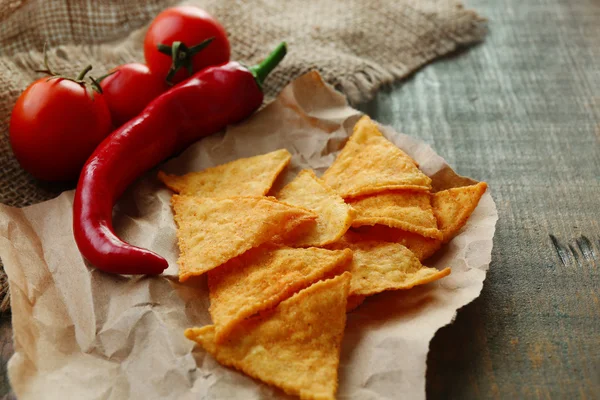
{"x":81,"y":333}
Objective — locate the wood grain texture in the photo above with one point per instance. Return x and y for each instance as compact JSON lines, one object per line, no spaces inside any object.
{"x":522,"y":112}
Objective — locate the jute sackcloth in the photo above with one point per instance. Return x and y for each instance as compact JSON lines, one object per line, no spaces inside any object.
{"x":356,"y":45}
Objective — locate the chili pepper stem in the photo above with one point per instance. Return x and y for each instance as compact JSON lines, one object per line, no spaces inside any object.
{"x":260,"y":71}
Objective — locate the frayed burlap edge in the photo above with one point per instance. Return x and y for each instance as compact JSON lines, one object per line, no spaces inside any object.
{"x":362,"y":85}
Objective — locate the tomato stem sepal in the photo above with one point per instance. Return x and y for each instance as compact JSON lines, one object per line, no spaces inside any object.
{"x":181,"y":56}
{"x":80,"y":79}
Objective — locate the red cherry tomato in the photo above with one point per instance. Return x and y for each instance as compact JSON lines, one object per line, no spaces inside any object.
{"x":129,"y":90}
{"x":191,"y":26}
{"x":55,"y":126}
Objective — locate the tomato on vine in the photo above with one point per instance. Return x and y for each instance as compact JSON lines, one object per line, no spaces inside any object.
{"x":57,"y":123}
{"x":184,"y":40}
{"x":129,"y":88}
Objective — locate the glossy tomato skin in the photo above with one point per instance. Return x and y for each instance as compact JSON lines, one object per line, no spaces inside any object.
{"x":190,"y":25}
{"x":129,"y":90}
{"x":55,"y":126}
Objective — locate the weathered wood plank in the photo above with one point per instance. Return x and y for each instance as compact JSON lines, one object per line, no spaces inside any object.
{"x":522,"y":112}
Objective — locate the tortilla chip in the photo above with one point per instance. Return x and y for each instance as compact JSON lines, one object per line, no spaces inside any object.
{"x":453,"y":207}
{"x":252,"y":176}
{"x":379,"y":266}
{"x":369,"y":163}
{"x":354,"y":301}
{"x":421,"y":247}
{"x":407,"y":210}
{"x":212,"y":231}
{"x":295,"y":346}
{"x":334,"y":216}
{"x":261,"y":278}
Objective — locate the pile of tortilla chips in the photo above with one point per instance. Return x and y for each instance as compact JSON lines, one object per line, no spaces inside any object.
{"x":283,"y":271}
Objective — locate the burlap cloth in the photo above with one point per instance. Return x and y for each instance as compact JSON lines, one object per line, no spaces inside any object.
{"x":356,"y":45}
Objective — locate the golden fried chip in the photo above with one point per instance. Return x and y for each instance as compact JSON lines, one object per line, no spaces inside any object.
{"x":252,"y":176}
{"x":354,"y":301}
{"x":453,"y":207}
{"x":369,"y":163}
{"x":422,"y":247}
{"x":295,"y":346}
{"x":334,"y":216}
{"x":212,"y":231}
{"x":407,"y":210}
{"x":262,"y":277}
{"x":379,"y":266}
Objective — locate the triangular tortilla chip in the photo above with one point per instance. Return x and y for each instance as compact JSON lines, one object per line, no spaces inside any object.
{"x":212,"y":231}
{"x":379,"y":266}
{"x":295,"y":346}
{"x":261,"y":278}
{"x":354,"y":301}
{"x":252,"y":176}
{"x":453,"y":207}
{"x":405,"y":209}
{"x":334,"y":216}
{"x":421,"y":247}
{"x":369,"y":163}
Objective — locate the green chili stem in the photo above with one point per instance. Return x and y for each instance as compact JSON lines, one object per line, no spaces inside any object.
{"x":260,"y":71}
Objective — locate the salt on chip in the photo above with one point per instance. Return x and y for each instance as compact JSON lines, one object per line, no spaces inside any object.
{"x":334,"y":216}
{"x":295,"y":346}
{"x":262,"y":277}
{"x":453,"y":207}
{"x":211,"y":231}
{"x":369,"y":163}
{"x":379,"y":266}
{"x":421,"y":247}
{"x":405,"y":209}
{"x":251,"y":176}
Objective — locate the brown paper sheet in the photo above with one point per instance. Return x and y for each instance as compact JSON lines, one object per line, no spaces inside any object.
{"x":85,"y":334}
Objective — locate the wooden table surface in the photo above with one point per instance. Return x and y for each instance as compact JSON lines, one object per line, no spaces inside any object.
{"x":522,"y":112}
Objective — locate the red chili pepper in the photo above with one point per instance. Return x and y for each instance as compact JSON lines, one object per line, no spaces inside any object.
{"x":204,"y":104}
